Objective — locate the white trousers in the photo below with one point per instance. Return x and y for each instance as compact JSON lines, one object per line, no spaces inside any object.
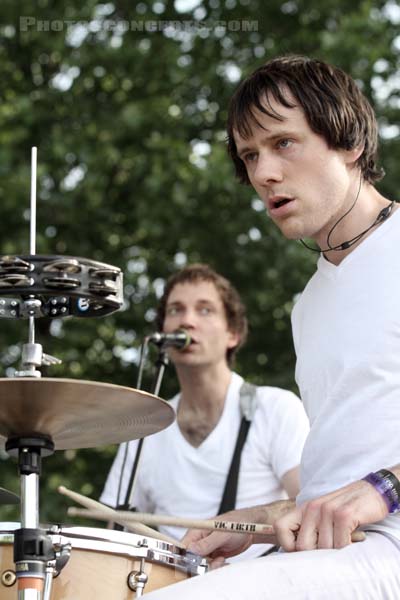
{"x":368,"y":570}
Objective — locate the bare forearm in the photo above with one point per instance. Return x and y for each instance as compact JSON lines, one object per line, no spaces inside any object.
{"x":225,"y":544}
{"x":269,"y":513}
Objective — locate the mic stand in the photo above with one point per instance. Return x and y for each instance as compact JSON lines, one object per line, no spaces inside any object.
{"x":160,"y":364}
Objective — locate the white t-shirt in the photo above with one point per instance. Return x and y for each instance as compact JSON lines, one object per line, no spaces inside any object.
{"x":175,"y":478}
{"x":346,"y":329}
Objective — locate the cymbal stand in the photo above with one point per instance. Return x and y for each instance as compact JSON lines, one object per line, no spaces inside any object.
{"x":33,"y":548}
{"x":34,"y":555}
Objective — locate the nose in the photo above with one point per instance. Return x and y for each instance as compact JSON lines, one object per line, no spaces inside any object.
{"x":185,"y":318}
{"x":268,"y":169}
{"x":188,"y":320}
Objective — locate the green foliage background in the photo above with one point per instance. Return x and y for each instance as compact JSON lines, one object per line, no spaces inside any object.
{"x":129,"y":123}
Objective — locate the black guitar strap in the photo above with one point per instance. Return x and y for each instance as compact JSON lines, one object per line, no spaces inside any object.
{"x":247,"y":396}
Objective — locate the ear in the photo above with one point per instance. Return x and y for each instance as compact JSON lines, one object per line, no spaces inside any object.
{"x":233,"y":339}
{"x":351,"y":156}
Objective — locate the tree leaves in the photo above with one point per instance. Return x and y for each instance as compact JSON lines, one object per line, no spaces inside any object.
{"x":129,"y":119}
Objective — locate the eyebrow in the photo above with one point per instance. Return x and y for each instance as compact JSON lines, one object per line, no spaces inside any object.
{"x":200,"y":301}
{"x":174,"y":303}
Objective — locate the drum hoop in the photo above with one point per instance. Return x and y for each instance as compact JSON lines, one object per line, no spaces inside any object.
{"x":120,"y":543}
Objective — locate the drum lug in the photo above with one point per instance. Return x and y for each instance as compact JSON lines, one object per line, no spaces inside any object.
{"x":137,"y":580}
{"x":63,"y":553}
{"x":8,"y":578}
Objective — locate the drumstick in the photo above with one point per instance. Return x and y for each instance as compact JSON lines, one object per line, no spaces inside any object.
{"x":209,"y":524}
{"x":112,"y":515}
{"x":150,"y":519}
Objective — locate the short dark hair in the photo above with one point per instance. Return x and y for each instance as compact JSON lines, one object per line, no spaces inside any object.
{"x":235,"y":310}
{"x":333,"y":104}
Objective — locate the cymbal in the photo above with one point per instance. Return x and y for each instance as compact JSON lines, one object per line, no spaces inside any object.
{"x":7,"y":497}
{"x":78,"y":414}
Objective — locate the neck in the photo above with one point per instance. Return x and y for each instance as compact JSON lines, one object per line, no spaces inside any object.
{"x":203,"y":393}
{"x":203,"y":389}
{"x":370,"y":202}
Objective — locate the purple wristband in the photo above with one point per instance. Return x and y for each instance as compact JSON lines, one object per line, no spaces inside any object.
{"x":388,"y":486}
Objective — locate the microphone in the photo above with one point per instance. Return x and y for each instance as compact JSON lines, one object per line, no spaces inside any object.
{"x":179,"y":339}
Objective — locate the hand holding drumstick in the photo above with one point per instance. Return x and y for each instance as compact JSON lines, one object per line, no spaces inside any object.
{"x":227,"y":537}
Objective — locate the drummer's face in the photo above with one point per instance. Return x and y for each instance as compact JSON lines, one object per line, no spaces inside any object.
{"x":197,"y":307}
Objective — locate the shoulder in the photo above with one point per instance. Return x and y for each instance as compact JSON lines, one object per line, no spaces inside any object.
{"x":268,"y":397}
{"x":280,"y":424}
{"x":278,"y":403}
{"x":275,"y":395}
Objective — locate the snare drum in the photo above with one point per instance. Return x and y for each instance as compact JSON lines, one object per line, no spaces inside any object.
{"x":104,"y":564}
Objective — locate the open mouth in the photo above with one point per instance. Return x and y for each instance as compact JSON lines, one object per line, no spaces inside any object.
{"x":281,"y":202}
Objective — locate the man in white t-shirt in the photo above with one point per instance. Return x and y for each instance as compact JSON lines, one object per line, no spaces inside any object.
{"x":303,"y":135}
{"x":183,"y":469}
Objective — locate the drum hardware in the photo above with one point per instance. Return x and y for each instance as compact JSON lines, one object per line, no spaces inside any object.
{"x":8,"y":578}
{"x":103,"y":273}
{"x":86,"y":288}
{"x":8,"y":280}
{"x":74,"y":414}
{"x":62,"y":282}
{"x":62,"y":548}
{"x":33,"y":549}
{"x":16,"y":264}
{"x":32,"y":356}
{"x":103,"y":289}
{"x":68,"y":265}
{"x":138,"y":579}
{"x":39,"y":415}
{"x":102,"y":560}
{"x":48,"y":578}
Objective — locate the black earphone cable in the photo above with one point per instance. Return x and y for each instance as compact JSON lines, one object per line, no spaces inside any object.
{"x":382,"y":216}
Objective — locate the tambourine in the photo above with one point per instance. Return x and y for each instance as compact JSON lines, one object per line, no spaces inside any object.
{"x":58,"y":286}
